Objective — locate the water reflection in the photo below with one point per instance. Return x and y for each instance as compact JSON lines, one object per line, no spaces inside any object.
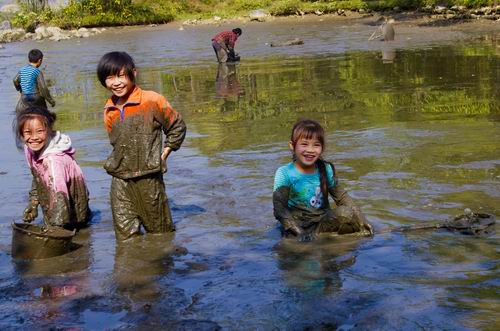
{"x":226,"y":82}
{"x":314,"y":268}
{"x":139,"y":262}
{"x":388,"y":55}
{"x":227,"y":86}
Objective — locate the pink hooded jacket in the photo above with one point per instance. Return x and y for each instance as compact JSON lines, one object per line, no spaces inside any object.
{"x":58,"y":183}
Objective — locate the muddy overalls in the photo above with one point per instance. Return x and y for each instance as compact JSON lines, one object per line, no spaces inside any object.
{"x":138,"y":196}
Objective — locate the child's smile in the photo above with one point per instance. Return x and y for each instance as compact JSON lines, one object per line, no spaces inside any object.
{"x":120,"y":85}
{"x":35,"y":134}
{"x":307,"y":152}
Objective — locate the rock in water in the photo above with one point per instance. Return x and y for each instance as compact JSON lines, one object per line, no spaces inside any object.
{"x":292,"y":42}
{"x":259,"y":15}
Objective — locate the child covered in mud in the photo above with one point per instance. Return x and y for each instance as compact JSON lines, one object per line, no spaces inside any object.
{"x":58,"y":183}
{"x":31,"y":83}
{"x":135,"y":119}
{"x":302,"y":187}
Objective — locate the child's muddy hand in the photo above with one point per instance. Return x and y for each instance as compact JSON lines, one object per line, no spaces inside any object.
{"x":306,"y":237}
{"x":164,"y":156}
{"x":368,"y":227}
{"x":165,"y":153}
{"x":30,"y":213}
{"x":163,"y":166}
{"x":290,"y":226}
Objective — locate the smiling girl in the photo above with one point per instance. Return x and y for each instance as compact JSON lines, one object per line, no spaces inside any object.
{"x":58,"y":183}
{"x":302,"y":187}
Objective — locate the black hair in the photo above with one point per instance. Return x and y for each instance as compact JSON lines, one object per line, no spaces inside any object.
{"x":35,"y":55}
{"x":112,"y":63}
{"x":237,"y":31}
{"x":47,"y":118}
{"x":323,"y":180}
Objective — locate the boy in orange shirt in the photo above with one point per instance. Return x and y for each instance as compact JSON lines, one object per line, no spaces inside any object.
{"x":134,"y":120}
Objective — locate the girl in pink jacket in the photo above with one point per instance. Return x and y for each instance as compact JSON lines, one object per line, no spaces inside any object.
{"x":58,"y":182}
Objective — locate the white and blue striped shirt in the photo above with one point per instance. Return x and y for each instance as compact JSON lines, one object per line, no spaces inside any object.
{"x":27,"y":77}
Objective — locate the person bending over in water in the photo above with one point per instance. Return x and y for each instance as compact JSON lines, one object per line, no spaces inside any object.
{"x":223,"y":44}
{"x":58,"y":182}
{"x":30,"y":82}
{"x":135,"y":120}
{"x":302,"y":187}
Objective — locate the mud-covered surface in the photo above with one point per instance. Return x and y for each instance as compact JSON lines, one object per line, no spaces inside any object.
{"x":414,"y":136}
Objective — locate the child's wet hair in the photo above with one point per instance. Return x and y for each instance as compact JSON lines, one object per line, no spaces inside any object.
{"x":238,"y":31}
{"x":44,"y":115}
{"x":35,"y":55}
{"x":112,"y":63}
{"x":307,"y":129}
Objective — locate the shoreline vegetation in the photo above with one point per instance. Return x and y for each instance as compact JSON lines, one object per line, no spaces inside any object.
{"x":64,"y":19}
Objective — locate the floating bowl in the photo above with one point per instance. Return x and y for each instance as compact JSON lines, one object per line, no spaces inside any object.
{"x":30,"y":241}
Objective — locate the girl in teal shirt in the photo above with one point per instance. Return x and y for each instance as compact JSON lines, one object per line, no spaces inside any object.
{"x":302,"y":187}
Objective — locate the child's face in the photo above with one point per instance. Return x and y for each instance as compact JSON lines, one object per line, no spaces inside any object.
{"x":35,"y":134}
{"x":307,"y":152}
{"x":120,"y":85}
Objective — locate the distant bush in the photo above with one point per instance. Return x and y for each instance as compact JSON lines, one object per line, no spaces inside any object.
{"x":285,"y":7}
{"x":87,"y":13}
{"x":250,"y":4}
{"x":91,"y":13}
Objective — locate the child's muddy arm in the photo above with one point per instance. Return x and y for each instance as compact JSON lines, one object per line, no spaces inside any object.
{"x":17,"y":83}
{"x":340,"y":196}
{"x":173,"y":126}
{"x":60,"y":213}
{"x":33,"y":192}
{"x":31,"y":211}
{"x":43,"y":89}
{"x":282,"y":212}
{"x":343,"y":199}
{"x":59,"y":203}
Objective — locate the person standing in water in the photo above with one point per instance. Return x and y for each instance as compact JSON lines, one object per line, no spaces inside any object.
{"x":58,"y":182}
{"x":223,"y":44}
{"x":31,"y":83}
{"x":302,"y":187}
{"x":135,"y":120}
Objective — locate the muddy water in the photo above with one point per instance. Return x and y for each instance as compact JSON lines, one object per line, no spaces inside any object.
{"x":413,"y":129}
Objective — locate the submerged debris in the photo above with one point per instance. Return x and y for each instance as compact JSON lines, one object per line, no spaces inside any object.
{"x":292,"y":42}
{"x":51,"y":292}
{"x":469,"y":223}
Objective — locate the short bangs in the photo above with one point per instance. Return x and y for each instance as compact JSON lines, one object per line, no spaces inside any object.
{"x":112,"y":63}
{"x":308,"y":129}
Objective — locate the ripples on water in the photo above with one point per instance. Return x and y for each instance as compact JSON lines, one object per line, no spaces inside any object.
{"x":415,"y":139}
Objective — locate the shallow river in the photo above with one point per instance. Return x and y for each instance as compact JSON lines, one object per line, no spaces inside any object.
{"x":413,"y":128}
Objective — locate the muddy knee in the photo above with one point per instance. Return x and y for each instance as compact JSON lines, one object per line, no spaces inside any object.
{"x":127,"y":228}
{"x":349,"y":219}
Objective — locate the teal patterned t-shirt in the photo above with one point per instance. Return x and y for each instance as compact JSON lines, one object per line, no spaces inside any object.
{"x":305,"y":191}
